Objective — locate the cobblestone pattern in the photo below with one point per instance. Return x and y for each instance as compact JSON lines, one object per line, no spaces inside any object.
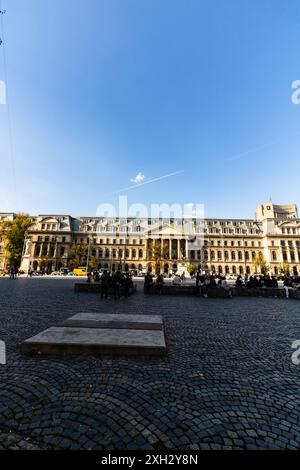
{"x":228,"y":381}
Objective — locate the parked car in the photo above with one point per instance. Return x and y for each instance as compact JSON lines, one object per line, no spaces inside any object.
{"x":80,"y":272}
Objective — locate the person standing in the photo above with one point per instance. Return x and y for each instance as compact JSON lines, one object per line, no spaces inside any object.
{"x":105,"y":281}
{"x":116,"y":282}
{"x":148,"y":283}
{"x":159,"y":283}
{"x":12,"y":273}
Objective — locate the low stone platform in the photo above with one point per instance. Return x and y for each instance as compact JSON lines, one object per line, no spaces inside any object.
{"x":259,"y":292}
{"x":188,"y":289}
{"x":115,"y":321}
{"x":170,"y":289}
{"x":94,"y":334}
{"x":220,"y":292}
{"x":95,"y":288}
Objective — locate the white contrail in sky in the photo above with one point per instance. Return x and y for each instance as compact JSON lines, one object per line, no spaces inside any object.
{"x":149,"y":181}
{"x":247,"y":152}
{"x":261,"y":147}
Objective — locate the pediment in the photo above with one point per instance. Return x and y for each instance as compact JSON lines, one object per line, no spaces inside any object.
{"x":49,"y":220}
{"x":165,"y":230}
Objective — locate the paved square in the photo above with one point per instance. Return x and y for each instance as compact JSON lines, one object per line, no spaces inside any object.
{"x":227,"y":381}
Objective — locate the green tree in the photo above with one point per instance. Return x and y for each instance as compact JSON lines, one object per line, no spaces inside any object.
{"x":261,"y":263}
{"x":78,"y":255}
{"x":192,"y":268}
{"x":157,"y":253}
{"x":93,"y":262}
{"x":13,"y":233}
{"x":285,"y":269}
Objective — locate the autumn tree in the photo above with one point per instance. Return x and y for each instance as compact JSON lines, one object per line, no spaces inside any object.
{"x":261,"y":263}
{"x":78,"y":255}
{"x":285,"y":269}
{"x":12,"y":232}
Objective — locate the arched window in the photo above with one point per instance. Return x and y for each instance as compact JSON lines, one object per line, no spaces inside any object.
{"x":241,"y":270}
{"x":227,"y":269}
{"x":247,"y":255}
{"x":274,"y":256}
{"x":295,"y":271}
{"x":134,"y":253}
{"x":248,"y":269}
{"x":220,"y":269}
{"x":212,"y":255}
{"x":233,"y":255}
{"x":107,"y":253}
{"x":234,"y":269}
{"x":226,"y":255}
{"x":140,"y":253}
{"x":240,"y":255}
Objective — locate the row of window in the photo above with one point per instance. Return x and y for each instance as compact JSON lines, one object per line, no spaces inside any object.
{"x":231,"y":243}
{"x":289,"y":231}
{"x":290,"y":243}
{"x":232,"y":255}
{"x":51,"y":239}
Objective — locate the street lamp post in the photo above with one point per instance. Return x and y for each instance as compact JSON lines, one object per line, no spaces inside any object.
{"x":88,"y":255}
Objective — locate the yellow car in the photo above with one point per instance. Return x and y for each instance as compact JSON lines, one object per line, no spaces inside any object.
{"x":80,"y":272}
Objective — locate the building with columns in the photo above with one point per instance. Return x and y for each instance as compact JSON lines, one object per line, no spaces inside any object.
{"x":226,"y":246}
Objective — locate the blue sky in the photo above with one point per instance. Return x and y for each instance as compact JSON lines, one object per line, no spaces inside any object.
{"x":102,"y":90}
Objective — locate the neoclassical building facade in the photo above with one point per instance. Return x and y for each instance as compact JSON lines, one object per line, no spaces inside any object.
{"x":227,"y":246}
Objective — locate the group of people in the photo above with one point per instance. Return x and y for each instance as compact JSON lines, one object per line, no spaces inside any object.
{"x":150,"y":283}
{"x":205,"y":282}
{"x":257,"y":281}
{"x":112,"y":282}
{"x":268,"y":281}
{"x":13,"y":273}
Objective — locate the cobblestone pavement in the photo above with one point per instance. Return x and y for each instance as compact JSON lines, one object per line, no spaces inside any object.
{"x":227,"y":381}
